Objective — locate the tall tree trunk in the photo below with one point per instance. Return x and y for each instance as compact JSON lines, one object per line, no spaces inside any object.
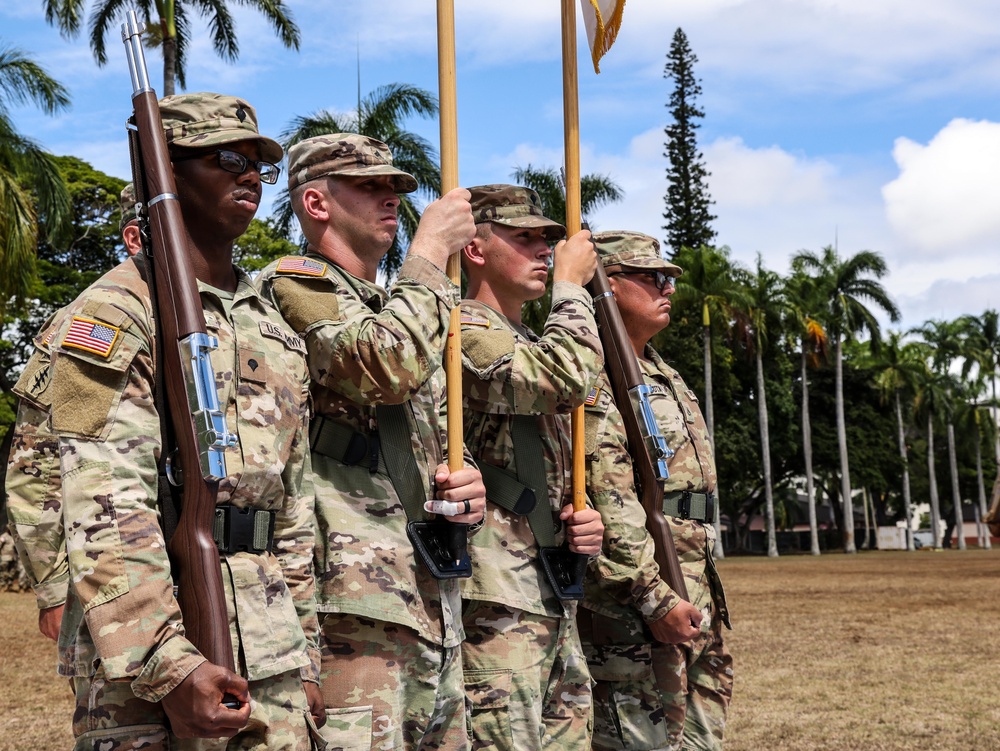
{"x":845,"y":470}
{"x":169,"y":64}
{"x":932,"y":480}
{"x":807,"y":450}
{"x":765,"y":453}
{"x":706,"y":336}
{"x":981,"y":529}
{"x":868,"y":530}
{"x":956,"y":496}
{"x":907,"y":504}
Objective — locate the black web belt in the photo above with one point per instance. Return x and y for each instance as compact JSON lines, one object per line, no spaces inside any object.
{"x":243,"y":530}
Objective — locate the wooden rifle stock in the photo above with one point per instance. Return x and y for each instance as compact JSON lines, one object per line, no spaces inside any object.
{"x":185,"y":343}
{"x":625,"y":376}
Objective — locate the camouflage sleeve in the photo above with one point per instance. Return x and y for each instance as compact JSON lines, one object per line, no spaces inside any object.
{"x":626,"y":569}
{"x":34,"y":502}
{"x":109,"y":440}
{"x":377,"y":358}
{"x":552,"y":375}
{"x":295,"y":538}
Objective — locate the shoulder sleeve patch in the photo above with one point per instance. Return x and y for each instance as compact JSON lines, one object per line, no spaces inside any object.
{"x":485,"y":350}
{"x":300,"y":265}
{"x":33,"y":384}
{"x":91,"y":336}
{"x":305,"y":302}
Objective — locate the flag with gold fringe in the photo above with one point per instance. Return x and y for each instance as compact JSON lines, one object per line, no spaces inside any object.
{"x":602,"y":19}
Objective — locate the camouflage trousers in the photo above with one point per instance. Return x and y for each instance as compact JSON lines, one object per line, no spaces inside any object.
{"x":650,"y":696}
{"x":385,"y":688}
{"x":526,"y":680}
{"x":109,"y":717}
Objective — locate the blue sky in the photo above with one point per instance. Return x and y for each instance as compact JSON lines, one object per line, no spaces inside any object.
{"x":875,"y":123}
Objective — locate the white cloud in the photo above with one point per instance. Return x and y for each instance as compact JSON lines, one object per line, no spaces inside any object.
{"x":944,"y":202}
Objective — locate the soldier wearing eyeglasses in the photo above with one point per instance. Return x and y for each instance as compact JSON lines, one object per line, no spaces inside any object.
{"x":663,"y":673}
{"x":138,"y":681}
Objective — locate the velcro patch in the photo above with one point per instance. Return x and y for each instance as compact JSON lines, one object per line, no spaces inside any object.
{"x":91,"y":336}
{"x":592,"y":397}
{"x":300,"y":265}
{"x":477,"y":320}
{"x":288,"y":338}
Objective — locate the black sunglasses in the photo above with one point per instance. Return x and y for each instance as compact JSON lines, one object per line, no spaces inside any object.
{"x":660,"y":278}
{"x":235,"y":162}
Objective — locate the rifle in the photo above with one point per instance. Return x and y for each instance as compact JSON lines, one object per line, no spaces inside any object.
{"x":186,"y":373}
{"x":647,"y":445}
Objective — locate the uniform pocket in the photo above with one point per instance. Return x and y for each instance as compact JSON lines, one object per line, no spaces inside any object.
{"x":348,"y":729}
{"x":128,"y":738}
{"x":628,"y":711}
{"x":488,"y":695}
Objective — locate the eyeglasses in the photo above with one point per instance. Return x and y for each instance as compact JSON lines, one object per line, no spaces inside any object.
{"x":660,"y":278}
{"x":235,"y":162}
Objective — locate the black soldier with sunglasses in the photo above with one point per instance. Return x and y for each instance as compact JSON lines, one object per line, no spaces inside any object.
{"x":138,"y":680}
{"x":663,"y":675}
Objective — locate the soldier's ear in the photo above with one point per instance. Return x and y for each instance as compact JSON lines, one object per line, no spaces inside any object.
{"x":613,"y":283}
{"x":472,"y":254}
{"x":314,"y":205}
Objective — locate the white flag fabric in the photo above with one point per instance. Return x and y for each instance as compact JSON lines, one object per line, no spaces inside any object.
{"x":602,"y":19}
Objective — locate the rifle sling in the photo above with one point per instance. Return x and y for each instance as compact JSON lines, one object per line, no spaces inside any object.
{"x":515,"y":493}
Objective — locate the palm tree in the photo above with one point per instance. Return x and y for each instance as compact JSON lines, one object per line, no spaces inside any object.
{"x":709,"y":284}
{"x":933,"y":393}
{"x":379,"y":115}
{"x":946,"y":342}
{"x":983,"y":349}
{"x":168,"y":25}
{"x":766,"y":309}
{"x":847,"y":283}
{"x":899,"y":369}
{"x":32,"y":190}
{"x":803,"y":305}
{"x":595,"y":191}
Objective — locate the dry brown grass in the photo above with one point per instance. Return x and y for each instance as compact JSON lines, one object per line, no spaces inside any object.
{"x":882,"y":651}
{"x":878,"y":651}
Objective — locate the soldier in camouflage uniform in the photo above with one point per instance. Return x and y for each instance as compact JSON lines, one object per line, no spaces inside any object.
{"x":526,"y":678}
{"x":33,"y":480}
{"x":391,"y":670}
{"x":139,"y":682}
{"x":663,"y":675}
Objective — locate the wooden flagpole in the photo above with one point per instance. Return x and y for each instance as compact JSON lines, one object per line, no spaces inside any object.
{"x":571,"y":139}
{"x":449,"y":181}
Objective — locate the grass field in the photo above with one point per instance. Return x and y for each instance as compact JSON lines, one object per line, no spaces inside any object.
{"x":878,"y":651}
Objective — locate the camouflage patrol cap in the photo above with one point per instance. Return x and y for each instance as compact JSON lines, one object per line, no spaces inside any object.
{"x":127,"y":203}
{"x":513,"y":206}
{"x":344,"y":155}
{"x":620,"y":250}
{"x":204,"y":119}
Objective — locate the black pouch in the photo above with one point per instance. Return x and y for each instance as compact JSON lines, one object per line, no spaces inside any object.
{"x":564,"y":570}
{"x":434,"y":540}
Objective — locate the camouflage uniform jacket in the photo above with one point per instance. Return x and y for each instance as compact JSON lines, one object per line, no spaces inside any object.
{"x":109,"y":440}
{"x":367,"y":348}
{"x":624,"y":581}
{"x":34,"y":485}
{"x":509,"y":370}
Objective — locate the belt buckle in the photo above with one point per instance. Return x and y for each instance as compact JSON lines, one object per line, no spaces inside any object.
{"x":684,"y":505}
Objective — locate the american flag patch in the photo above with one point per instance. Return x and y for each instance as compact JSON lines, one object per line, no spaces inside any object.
{"x":91,"y":336}
{"x":300,"y":265}
{"x":48,"y":336}
{"x":474,"y":319}
{"x":592,"y":397}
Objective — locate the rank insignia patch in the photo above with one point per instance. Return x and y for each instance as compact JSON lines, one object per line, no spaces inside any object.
{"x":91,"y":336}
{"x":300,"y":265}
